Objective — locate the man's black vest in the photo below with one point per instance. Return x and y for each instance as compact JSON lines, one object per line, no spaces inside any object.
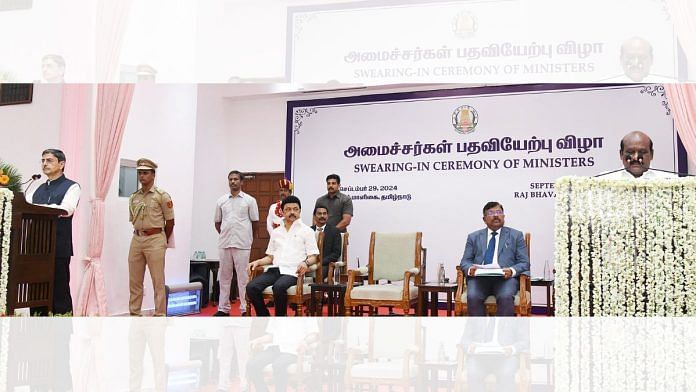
{"x":52,"y":192}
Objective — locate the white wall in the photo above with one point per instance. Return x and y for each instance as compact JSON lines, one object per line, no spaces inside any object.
{"x":49,"y":27}
{"x":211,"y":166}
{"x":161,"y":126}
{"x":29,"y":129}
{"x":256,"y":130}
{"x":172,"y":32}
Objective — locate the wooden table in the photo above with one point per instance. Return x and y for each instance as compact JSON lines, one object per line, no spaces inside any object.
{"x":335,"y":301}
{"x":550,"y":305}
{"x":429,"y":375}
{"x":435,"y":289}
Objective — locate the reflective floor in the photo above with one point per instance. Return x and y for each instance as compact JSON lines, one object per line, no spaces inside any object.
{"x":335,"y":354}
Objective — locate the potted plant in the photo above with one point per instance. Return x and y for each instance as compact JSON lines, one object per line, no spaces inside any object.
{"x":10,"y":177}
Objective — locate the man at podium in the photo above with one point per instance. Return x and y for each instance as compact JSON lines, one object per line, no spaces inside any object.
{"x":59,"y":192}
{"x":636,"y":153}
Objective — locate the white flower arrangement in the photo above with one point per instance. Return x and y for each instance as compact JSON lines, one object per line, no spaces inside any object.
{"x":6,"y":197}
{"x":624,"y":354}
{"x":561,"y":230}
{"x":625,"y":247}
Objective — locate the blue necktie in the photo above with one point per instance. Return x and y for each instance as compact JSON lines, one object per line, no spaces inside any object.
{"x":488,"y":257}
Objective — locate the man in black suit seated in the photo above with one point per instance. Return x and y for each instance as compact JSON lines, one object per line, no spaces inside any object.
{"x":332,"y":239}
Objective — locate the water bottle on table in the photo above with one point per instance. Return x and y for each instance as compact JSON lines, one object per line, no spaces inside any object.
{"x":441,"y":274}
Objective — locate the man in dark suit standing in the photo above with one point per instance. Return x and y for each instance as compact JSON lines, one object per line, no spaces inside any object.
{"x":59,"y":192}
{"x":332,"y":239}
{"x":494,"y":246}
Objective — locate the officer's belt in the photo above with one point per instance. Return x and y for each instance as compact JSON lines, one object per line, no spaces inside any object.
{"x":147,"y":232}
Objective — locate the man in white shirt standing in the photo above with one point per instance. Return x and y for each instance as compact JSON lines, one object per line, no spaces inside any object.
{"x":291,"y":251}
{"x":59,"y":192}
{"x":236,"y":220}
{"x":636,"y":152}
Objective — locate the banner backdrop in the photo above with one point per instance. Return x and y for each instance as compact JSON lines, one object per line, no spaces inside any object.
{"x":429,"y":161}
{"x":497,"y":41}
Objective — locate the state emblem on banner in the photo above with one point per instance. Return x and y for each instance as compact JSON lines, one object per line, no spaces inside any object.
{"x":464,"y":119}
{"x":465,"y":24}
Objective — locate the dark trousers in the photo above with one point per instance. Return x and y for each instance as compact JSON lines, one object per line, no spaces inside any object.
{"x":279,"y":361}
{"x":503,"y":367}
{"x":281,"y":283}
{"x":504,"y":290}
{"x":62,"y":300}
{"x":325,"y":272}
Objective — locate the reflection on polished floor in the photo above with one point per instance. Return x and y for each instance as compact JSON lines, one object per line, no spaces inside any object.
{"x":346,"y":354}
{"x":312,"y":354}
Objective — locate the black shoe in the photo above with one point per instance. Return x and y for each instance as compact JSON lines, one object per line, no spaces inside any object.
{"x":243,"y":314}
{"x":221,"y":314}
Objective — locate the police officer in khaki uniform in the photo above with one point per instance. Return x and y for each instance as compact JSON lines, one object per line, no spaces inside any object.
{"x":152,"y":214}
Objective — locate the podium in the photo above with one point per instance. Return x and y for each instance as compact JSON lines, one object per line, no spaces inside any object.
{"x":625,"y":247}
{"x":32,"y":255}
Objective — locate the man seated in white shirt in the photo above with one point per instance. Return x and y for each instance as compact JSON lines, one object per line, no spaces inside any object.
{"x":291,"y":251}
{"x":636,"y":152}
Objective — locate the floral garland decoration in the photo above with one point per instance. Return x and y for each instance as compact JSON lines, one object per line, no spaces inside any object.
{"x":625,"y":247}
{"x":689,"y":237}
{"x":624,"y":354}
{"x":6,"y":221}
{"x":278,"y":211}
{"x":561,"y":231}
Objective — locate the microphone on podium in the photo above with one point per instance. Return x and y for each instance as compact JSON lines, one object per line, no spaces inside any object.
{"x":628,"y":157}
{"x":33,"y":178}
{"x":639,"y":159}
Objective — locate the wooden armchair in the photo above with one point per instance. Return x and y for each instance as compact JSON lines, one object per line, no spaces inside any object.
{"x":389,"y":358}
{"x":393,"y":257}
{"x":299,"y":374}
{"x":493,"y":361}
{"x":523,"y":300}
{"x":521,"y":378}
{"x":300,"y":294}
